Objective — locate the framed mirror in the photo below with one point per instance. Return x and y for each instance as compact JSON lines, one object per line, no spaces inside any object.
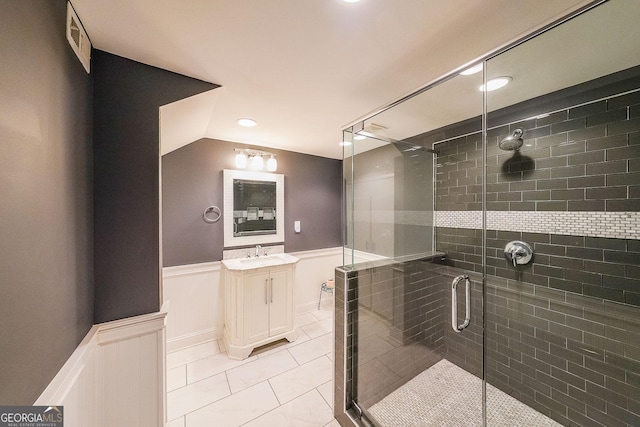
{"x":253,"y":208}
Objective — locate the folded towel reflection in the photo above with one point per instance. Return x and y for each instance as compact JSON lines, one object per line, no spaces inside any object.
{"x":268,"y":213}
{"x":252,"y":214}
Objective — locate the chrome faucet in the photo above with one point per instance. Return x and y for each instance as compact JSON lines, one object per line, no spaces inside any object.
{"x":258,"y":247}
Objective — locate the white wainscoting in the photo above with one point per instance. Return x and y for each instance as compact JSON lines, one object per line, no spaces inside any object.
{"x":314,"y":268}
{"x":196,"y":294}
{"x":116,"y":376}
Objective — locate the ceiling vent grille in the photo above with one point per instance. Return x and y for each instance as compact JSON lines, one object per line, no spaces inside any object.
{"x":78,"y":39}
{"x":374,"y":128}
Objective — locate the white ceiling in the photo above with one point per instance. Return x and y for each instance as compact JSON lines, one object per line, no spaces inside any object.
{"x":593,"y":45}
{"x":302,"y":68}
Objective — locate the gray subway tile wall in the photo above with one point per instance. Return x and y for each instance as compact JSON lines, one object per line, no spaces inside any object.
{"x":398,"y":333}
{"x":606,"y":268}
{"x":562,"y":333}
{"x":572,"y":349}
{"x":566,"y":355}
{"x":342,"y":348}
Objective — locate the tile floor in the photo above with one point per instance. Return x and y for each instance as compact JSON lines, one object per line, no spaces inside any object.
{"x":428,"y":399}
{"x":287,"y":384}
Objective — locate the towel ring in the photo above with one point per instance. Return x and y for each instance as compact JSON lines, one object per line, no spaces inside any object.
{"x":215,"y":210}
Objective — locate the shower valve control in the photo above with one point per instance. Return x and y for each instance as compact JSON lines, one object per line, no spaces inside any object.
{"x":518,"y":253}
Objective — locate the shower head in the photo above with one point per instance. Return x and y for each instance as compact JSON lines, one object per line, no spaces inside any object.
{"x":513,"y":142}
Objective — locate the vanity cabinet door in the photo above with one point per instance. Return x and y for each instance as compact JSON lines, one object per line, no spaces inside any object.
{"x":281,"y":301}
{"x":256,"y":305}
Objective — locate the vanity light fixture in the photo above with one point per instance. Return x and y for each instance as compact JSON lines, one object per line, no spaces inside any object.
{"x":241,"y":160}
{"x":255,"y":159}
{"x":256,"y":162}
{"x":272,"y":164}
{"x":496,"y":83}
{"x":248,"y":123}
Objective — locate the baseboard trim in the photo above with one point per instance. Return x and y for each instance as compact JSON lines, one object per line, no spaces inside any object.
{"x":327,"y":301}
{"x":188,"y":340}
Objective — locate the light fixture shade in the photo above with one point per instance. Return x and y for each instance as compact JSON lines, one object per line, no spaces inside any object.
{"x":257,"y":162}
{"x":272,"y":164}
{"x":241,"y":160}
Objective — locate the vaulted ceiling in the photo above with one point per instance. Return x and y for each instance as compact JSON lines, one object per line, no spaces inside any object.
{"x":302,"y":68}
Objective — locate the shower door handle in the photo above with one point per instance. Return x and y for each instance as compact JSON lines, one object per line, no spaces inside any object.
{"x":454,"y":303}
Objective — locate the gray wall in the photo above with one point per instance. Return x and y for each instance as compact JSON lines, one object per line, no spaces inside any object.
{"x":577,"y":159}
{"x":127,"y":97}
{"x":46,"y":245}
{"x":192,"y":181}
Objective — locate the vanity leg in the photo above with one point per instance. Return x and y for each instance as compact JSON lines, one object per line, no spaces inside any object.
{"x":320,"y":299}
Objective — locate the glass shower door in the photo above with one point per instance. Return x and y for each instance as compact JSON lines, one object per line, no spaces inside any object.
{"x":563,"y":139}
{"x":416,"y":315}
{"x":530,"y":194}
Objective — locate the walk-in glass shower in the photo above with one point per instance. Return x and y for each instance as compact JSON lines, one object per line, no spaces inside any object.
{"x":492,"y":243}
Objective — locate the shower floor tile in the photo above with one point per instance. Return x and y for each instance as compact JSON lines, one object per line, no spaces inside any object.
{"x":447,"y":395}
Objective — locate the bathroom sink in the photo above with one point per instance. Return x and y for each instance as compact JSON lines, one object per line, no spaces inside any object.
{"x":259,"y":262}
{"x":253,"y":261}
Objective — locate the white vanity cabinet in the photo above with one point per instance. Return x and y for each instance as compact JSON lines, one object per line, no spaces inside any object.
{"x":259,"y":306}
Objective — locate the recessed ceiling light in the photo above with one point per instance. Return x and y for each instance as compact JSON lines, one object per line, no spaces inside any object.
{"x":248,"y":123}
{"x":472,"y":70}
{"x":496,"y":83}
{"x":350,"y":1}
{"x":345,"y":143}
{"x":359,"y":137}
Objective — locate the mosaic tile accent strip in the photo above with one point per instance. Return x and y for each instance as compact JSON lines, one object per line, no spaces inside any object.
{"x":578,"y":158}
{"x":446,"y":395}
{"x":616,"y":225}
{"x":458,"y":219}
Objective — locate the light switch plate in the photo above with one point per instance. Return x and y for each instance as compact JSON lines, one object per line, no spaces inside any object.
{"x":296,"y":226}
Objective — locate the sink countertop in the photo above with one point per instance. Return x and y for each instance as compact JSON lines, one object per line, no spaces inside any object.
{"x":259,"y":262}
